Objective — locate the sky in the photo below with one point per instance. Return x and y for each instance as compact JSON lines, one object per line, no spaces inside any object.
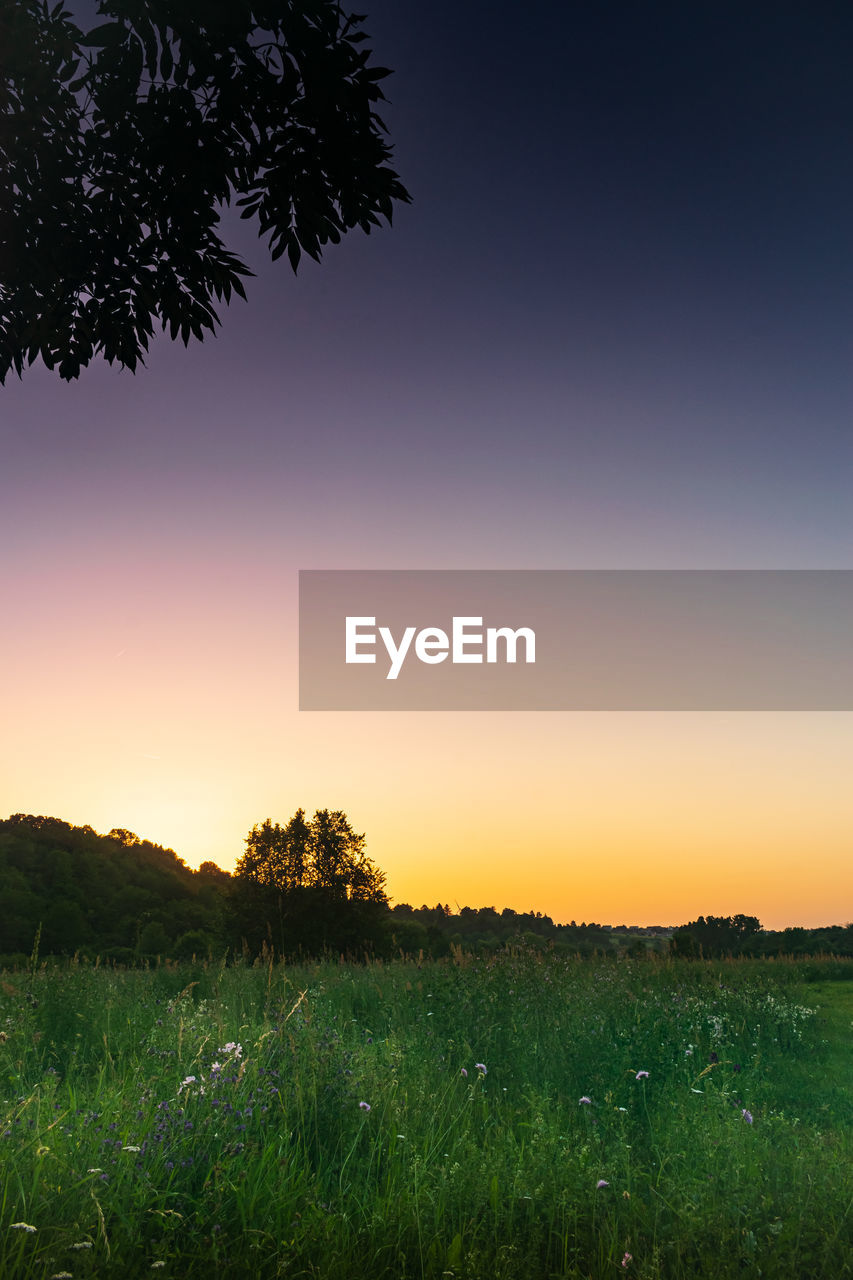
{"x":613,"y":330}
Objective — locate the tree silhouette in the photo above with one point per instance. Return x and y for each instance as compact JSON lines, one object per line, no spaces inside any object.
{"x":119,"y":147}
{"x":277,"y":857}
{"x":715,"y":935}
{"x":323,"y":853}
{"x":309,"y":885}
{"x":99,"y":893}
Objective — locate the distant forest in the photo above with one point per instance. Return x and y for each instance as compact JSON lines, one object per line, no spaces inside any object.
{"x":305,"y":889}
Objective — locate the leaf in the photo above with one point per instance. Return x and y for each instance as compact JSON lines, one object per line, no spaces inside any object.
{"x":149,"y":38}
{"x":109,"y":33}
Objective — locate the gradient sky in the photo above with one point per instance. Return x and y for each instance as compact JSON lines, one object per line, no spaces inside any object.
{"x":612,"y":331}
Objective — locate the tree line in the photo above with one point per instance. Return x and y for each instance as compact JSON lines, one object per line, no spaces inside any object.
{"x":305,"y":888}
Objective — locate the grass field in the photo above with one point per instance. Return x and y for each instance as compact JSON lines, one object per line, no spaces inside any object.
{"x":518,"y":1117}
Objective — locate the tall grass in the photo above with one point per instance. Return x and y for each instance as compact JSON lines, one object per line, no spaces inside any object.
{"x":521,"y":1117}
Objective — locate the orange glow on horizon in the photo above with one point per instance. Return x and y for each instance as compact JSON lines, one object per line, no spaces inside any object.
{"x":180,"y":724}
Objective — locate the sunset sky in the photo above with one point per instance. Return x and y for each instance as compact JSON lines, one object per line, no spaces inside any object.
{"x":613,"y":330}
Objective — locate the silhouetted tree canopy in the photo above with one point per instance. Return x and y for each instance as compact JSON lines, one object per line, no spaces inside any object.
{"x":323,"y":853}
{"x":309,"y":886}
{"x":715,"y":935}
{"x":306,"y":887}
{"x":119,"y":147}
{"x":113,"y":895}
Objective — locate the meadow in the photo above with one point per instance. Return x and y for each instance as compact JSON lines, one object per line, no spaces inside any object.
{"x":517,"y":1117}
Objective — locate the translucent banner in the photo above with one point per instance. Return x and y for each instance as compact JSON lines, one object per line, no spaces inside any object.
{"x":576,"y":640}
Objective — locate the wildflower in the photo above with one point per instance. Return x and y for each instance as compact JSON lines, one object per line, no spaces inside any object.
{"x":747,"y":1115}
{"x":364,"y":1106}
{"x":642,"y":1075}
{"x":602,"y":1182}
{"x":22,"y":1226}
{"x":626,"y":1258}
{"x":480,"y":1066}
{"x":464,"y":1073}
{"x":587,"y":1102}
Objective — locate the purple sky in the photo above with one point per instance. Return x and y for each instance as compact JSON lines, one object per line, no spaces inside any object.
{"x":614,"y":326}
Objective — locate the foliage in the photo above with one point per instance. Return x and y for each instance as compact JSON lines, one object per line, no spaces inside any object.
{"x":828,"y":940}
{"x":99,"y":894}
{"x":324,"y":853}
{"x":517,"y":1117}
{"x":715,"y":935}
{"x":120,"y":146}
{"x":309,"y":886}
{"x":484,"y":929}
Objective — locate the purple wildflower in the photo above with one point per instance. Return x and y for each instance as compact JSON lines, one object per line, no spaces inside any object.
{"x":587,"y":1102}
{"x":747,"y":1115}
{"x":642,"y":1075}
{"x":464,"y":1073}
{"x":626,"y":1258}
{"x":480,"y":1066}
{"x":602,"y":1182}
{"x":364,"y":1106}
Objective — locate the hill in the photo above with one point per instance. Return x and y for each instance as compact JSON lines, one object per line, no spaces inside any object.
{"x":113,"y":895}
